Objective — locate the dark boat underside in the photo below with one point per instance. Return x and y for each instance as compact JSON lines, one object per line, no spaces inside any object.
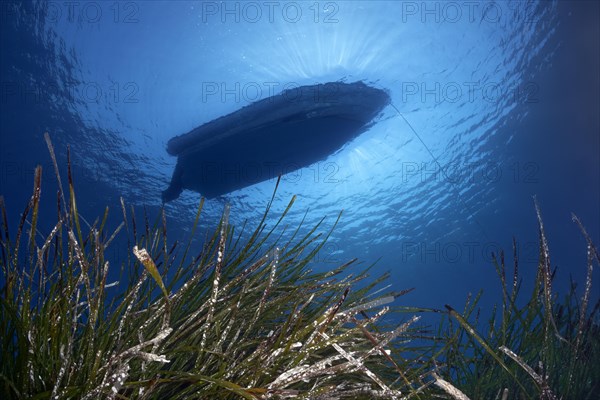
{"x":271,"y":137}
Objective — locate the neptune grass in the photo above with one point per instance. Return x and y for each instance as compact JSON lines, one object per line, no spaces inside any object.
{"x":236,"y":319}
{"x":249,"y":319}
{"x":546,"y":348}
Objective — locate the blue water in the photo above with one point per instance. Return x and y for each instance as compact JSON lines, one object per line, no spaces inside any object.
{"x":493,"y":103}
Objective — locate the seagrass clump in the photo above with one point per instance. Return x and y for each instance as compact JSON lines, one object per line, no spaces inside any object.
{"x":537,"y":346}
{"x":231,"y":318}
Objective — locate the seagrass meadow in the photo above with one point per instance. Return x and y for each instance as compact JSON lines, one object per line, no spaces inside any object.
{"x":249,"y":319}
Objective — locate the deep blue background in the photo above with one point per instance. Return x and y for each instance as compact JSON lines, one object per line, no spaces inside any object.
{"x":493,"y":103}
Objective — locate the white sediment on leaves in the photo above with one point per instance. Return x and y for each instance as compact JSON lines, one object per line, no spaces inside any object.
{"x":449,"y":388}
{"x":217,"y":277}
{"x":537,"y":378}
{"x":367,"y":306}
